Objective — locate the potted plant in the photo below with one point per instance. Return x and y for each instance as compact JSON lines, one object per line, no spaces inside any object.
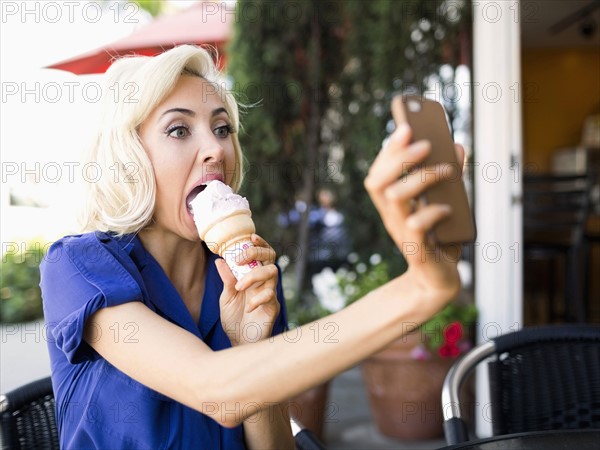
{"x":404,"y":381}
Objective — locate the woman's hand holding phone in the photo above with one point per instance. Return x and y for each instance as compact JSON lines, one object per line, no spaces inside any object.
{"x":396,"y":180}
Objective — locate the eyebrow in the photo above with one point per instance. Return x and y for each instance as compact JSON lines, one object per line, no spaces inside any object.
{"x":189,"y":112}
{"x":218,"y":111}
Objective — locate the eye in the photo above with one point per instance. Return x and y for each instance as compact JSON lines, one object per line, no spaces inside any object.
{"x":223,"y":131}
{"x":178,"y":132}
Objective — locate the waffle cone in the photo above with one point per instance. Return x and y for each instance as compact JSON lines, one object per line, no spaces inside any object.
{"x":224,"y":235}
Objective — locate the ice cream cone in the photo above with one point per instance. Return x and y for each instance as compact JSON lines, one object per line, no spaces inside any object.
{"x":230,"y":237}
{"x":228,"y":232}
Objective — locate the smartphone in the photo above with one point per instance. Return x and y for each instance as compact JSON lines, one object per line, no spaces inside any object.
{"x":427,"y":120}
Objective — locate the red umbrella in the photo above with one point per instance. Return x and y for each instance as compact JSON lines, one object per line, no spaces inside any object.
{"x":204,"y":23}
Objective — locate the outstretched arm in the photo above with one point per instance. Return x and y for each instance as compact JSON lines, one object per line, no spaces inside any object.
{"x":228,"y":385}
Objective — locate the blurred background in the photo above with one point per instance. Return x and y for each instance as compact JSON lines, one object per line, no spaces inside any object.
{"x":520,"y":82}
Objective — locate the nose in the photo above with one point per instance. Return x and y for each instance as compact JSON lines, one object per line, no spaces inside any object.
{"x":210,"y":150}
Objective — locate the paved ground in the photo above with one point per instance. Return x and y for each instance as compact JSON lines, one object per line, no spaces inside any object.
{"x":352,"y":427}
{"x":24,"y":358}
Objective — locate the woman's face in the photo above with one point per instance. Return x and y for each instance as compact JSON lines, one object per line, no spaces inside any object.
{"x":188,"y":140}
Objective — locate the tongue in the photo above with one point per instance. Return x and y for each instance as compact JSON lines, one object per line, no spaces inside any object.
{"x":192,"y":195}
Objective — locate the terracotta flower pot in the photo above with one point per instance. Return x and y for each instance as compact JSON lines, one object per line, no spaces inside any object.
{"x":405,"y":393}
{"x":308,"y":408}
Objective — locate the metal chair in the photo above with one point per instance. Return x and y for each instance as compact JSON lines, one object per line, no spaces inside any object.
{"x":541,"y":378}
{"x":555,"y":213}
{"x":29,"y":422}
{"x":592,"y":234}
{"x":28,"y":417}
{"x":305,"y":439}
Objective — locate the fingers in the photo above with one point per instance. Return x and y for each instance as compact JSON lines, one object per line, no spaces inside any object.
{"x":266,"y":274}
{"x":228,"y":278}
{"x":460,"y":155}
{"x":414,"y":184}
{"x":392,"y":160}
{"x":263,"y":298}
{"x":417,"y":240}
{"x":261,"y":251}
{"x":263,"y":281}
{"x":259,"y":241}
{"x":398,"y":110}
{"x":427,"y":217}
{"x":386,"y":181}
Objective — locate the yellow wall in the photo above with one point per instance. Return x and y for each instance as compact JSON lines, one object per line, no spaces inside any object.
{"x":560,"y":88}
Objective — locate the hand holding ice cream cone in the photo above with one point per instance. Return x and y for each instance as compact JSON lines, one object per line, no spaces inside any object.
{"x":224,"y":222}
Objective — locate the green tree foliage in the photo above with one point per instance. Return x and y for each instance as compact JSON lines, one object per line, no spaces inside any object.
{"x":283,"y":59}
{"x":391,"y":46}
{"x":319,"y":76}
{"x":282,"y":64}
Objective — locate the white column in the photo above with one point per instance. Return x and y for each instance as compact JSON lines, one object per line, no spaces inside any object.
{"x":497,"y":158}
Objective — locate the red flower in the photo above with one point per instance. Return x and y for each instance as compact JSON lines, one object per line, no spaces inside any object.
{"x":453,"y":333}
{"x":449,"y":351}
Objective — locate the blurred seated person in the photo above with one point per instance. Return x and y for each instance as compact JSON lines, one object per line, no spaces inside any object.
{"x":329,"y":243}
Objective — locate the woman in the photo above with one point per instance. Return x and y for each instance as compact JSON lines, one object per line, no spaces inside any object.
{"x":139,"y":309}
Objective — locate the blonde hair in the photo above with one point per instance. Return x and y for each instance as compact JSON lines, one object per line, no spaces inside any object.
{"x":123,"y":197}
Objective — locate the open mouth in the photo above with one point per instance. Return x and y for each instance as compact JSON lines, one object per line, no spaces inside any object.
{"x":192,"y":195}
